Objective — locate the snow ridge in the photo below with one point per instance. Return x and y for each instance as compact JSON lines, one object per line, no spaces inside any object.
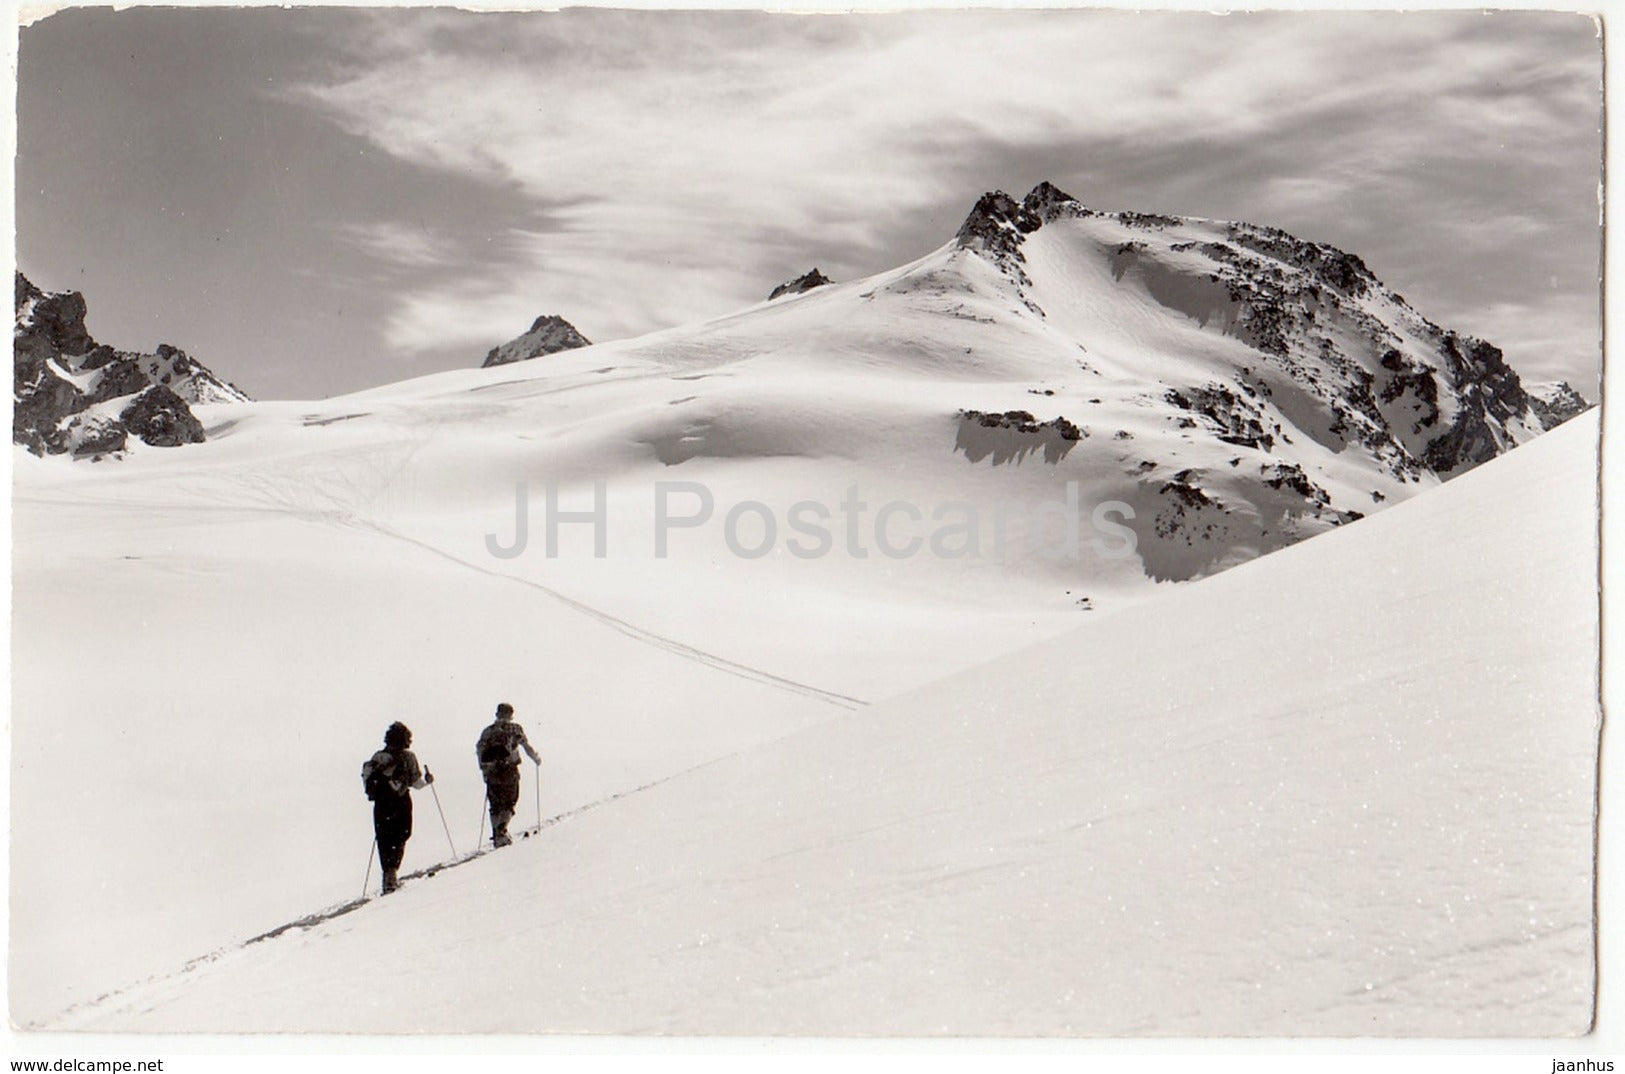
{"x":1235,"y":334}
{"x":1165,"y":823}
{"x":1297,"y":303}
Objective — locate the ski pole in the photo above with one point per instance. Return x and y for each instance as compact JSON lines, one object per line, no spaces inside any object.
{"x":479,"y":840}
{"x":538,"y":797}
{"x":443,"y":823}
{"x":371,"y":850}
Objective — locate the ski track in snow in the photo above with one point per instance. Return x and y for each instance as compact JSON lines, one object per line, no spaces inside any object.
{"x":806,"y":902}
{"x":637,"y":633}
{"x":338,"y":910}
{"x":1223,"y":847}
{"x":346,"y":516}
{"x":323,"y":492}
{"x":305,"y":500}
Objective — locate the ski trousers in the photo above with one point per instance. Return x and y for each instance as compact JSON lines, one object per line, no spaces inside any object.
{"x":502,"y":788}
{"x":392,"y":824}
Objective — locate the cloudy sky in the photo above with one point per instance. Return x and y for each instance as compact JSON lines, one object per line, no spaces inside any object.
{"x":315,"y":201}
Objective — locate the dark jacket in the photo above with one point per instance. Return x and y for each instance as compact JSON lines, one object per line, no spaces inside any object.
{"x":400,"y":768}
{"x":499,"y":746}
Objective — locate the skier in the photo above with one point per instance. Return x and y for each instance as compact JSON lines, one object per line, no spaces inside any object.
{"x":389,"y":777}
{"x":498,"y":753}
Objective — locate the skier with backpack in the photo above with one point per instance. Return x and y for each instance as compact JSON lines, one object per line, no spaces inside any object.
{"x":498,"y":752}
{"x":389,"y":777}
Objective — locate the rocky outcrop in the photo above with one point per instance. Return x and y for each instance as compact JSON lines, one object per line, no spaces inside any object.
{"x":42,"y":401}
{"x":1023,"y":421}
{"x":801,"y":284}
{"x":995,"y":227}
{"x":95,"y":437}
{"x":55,"y":322}
{"x":1048,"y":203}
{"x":1290,"y":477}
{"x":162,"y":418}
{"x":1326,"y":265}
{"x":1490,"y":400}
{"x":1411,"y":385}
{"x":72,"y":394}
{"x":1232,"y":417}
{"x":1557,"y":403}
{"x":1011,"y":436}
{"x":122,"y":376}
{"x":548,"y":334}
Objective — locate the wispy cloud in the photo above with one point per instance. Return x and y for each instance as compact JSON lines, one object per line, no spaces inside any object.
{"x":396,"y":244}
{"x":698,"y":158}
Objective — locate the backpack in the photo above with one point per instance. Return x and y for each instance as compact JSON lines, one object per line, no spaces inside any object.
{"x":495,"y":748}
{"x":377,"y":775}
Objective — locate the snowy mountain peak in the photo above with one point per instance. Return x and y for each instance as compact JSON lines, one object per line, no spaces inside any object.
{"x":998,"y":223}
{"x":1417,"y":396}
{"x":801,"y":284}
{"x":1048,"y":202}
{"x":996,"y":212}
{"x":72,"y":394}
{"x":548,"y":334}
{"x":1557,"y":403}
{"x":996,"y":226}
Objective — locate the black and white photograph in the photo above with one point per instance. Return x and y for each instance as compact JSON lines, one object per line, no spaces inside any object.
{"x":1006,"y":524}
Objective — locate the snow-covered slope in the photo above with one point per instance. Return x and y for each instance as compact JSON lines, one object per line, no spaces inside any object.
{"x":867,"y":486}
{"x":196,"y":687}
{"x":1341,"y":790}
{"x":980,"y":431}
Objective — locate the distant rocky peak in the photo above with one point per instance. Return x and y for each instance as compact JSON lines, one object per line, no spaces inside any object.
{"x":548,"y":334}
{"x":73,"y":395}
{"x":996,"y":221}
{"x":1416,"y":396}
{"x":801,"y":284}
{"x":1046,"y":202}
{"x":995,"y":227}
{"x":550,"y":322}
{"x":1557,"y":403}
